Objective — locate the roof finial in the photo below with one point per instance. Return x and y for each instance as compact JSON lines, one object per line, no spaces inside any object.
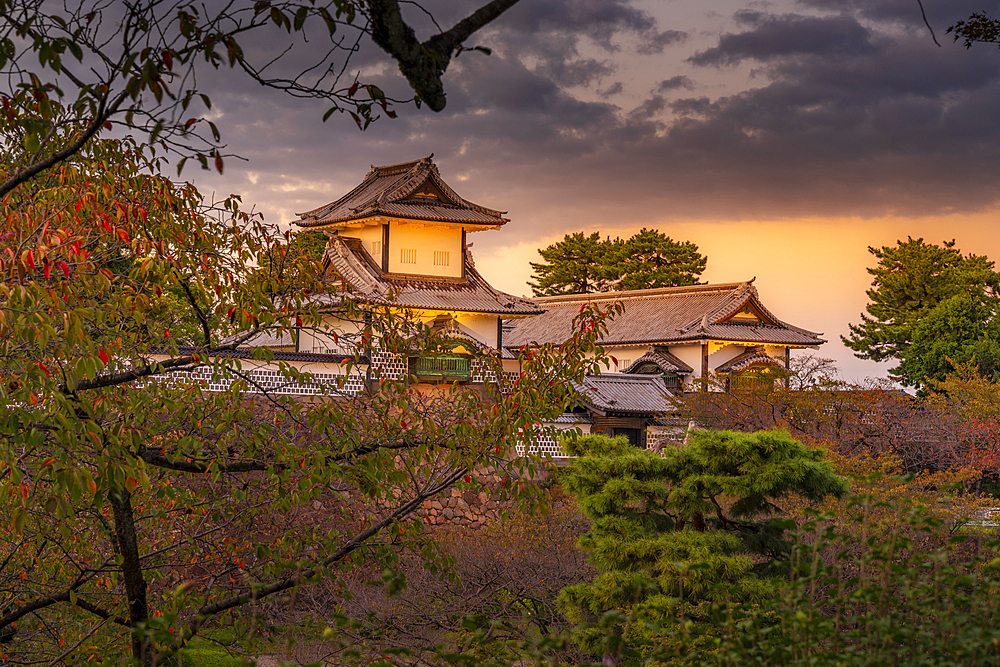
{"x":704,"y":323}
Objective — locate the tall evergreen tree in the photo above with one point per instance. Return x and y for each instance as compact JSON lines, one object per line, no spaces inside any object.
{"x":575,"y":265}
{"x":929,"y":303}
{"x":581,"y":264}
{"x":673,"y":533}
{"x":652,"y":259}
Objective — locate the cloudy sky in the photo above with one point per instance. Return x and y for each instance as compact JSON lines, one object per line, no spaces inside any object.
{"x":783,"y":138}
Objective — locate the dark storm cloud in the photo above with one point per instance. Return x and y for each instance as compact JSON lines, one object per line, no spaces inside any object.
{"x":940,"y":13}
{"x":553,"y":32}
{"x":612,"y":90}
{"x":675,"y":83}
{"x":848,"y":115}
{"x":654,"y":43}
{"x":599,"y":20}
{"x":772,"y":37}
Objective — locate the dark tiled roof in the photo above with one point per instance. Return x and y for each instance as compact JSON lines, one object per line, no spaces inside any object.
{"x":625,"y":394}
{"x":748,"y":358}
{"x":667,"y":362}
{"x":392,"y":191}
{"x":368,"y":284}
{"x":573,"y":418}
{"x":667,"y":315}
{"x":247,"y":353}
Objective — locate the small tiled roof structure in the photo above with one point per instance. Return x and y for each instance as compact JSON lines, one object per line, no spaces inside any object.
{"x":367,"y":283}
{"x":730,"y":312}
{"x":624,"y":395}
{"x":661,"y":358}
{"x":749,"y":358}
{"x":411,"y":191}
{"x":573,"y":418}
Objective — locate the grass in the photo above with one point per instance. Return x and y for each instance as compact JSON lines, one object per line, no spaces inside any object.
{"x":206,"y":653}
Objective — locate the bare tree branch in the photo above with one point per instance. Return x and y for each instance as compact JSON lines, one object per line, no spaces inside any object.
{"x":424,"y":64}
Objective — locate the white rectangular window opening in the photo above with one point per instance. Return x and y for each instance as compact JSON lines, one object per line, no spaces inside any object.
{"x":407,"y":255}
{"x":441,"y":258}
{"x":376,"y":249}
{"x":623,"y":364}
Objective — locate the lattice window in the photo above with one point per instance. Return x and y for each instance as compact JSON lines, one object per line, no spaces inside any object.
{"x":377,"y":249}
{"x":441,"y":257}
{"x":407,"y":255}
{"x":544,"y":442}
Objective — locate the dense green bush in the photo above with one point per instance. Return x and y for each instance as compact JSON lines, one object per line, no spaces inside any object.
{"x":876,"y":579}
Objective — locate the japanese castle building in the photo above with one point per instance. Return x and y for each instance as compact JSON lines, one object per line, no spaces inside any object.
{"x":399,"y":240}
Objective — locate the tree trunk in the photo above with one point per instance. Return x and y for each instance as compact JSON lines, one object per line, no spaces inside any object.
{"x":135,"y":585}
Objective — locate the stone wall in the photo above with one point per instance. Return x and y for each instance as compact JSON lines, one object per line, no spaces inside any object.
{"x":469,"y":508}
{"x":462,"y":508}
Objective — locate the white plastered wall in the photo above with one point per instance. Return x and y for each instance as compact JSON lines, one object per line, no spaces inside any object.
{"x":425,"y":240}
{"x":323,"y":341}
{"x":720,"y":353}
{"x":368,"y":235}
{"x":484,"y":326}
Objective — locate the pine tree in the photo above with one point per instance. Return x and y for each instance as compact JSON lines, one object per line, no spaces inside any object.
{"x":581,"y":264}
{"x":673,"y":533}
{"x":929,"y":304}
{"x":575,"y":265}
{"x":652,"y":259}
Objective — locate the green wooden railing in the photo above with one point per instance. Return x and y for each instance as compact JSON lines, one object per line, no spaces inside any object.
{"x":441,"y":368}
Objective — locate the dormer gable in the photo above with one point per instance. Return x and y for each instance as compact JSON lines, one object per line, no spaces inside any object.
{"x":750,"y":312}
{"x":429,"y":191}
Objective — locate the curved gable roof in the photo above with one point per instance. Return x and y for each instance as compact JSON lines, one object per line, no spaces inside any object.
{"x":667,"y":315}
{"x":393,"y":191}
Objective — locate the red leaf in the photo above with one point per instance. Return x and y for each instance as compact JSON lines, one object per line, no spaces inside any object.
{"x":468,"y":480}
{"x":298,"y":321}
{"x":65,"y":268}
{"x":48,"y":269}
{"x":123,"y":235}
{"x":218,"y":162}
{"x":104,"y":356}
{"x":353,"y":89}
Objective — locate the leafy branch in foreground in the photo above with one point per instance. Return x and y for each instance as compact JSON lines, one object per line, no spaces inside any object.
{"x":151,"y":482}
{"x":77,"y":68}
